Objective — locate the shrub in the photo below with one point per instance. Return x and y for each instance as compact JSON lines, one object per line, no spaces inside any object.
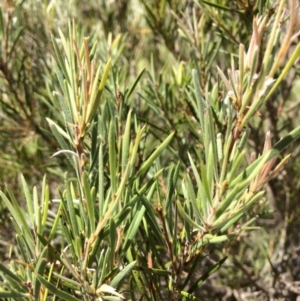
{"x":158,"y":182}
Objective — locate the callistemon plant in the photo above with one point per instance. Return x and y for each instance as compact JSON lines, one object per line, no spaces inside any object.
{"x":131,"y":220}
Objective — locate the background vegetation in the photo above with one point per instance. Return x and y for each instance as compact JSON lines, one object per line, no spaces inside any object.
{"x":164,"y":55}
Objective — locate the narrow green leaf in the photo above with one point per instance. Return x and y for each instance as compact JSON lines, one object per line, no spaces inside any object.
{"x":205,"y":184}
{"x":210,"y":169}
{"x":60,"y":59}
{"x":67,"y":104}
{"x":234,"y":194}
{"x":100,"y":259}
{"x":63,"y":41}
{"x":101,"y":181}
{"x":128,"y":94}
{"x":195,"y":171}
{"x":105,"y":266}
{"x":152,"y":220}
{"x":55,"y":224}
{"x":27,"y":254}
{"x":56,"y":291}
{"x":112,"y":157}
{"x":66,"y":229}
{"x":244,"y":140}
{"x":191,"y":197}
{"x":230,"y":223}
{"x":94,"y":105}
{"x":213,"y":156}
{"x":113,"y":240}
{"x":27,"y":196}
{"x":236,"y":164}
{"x":287,"y":67}
{"x":89,"y":203}
{"x":230,"y":118}
{"x":268,"y":57}
{"x":57,"y":129}
{"x":44,"y":203}
{"x":39,"y":270}
{"x":154,"y":155}
{"x":14,"y":294}
{"x":67,"y":262}
{"x":125,"y":142}
{"x":120,"y":277}
{"x":70,"y":212}
{"x":187,"y":218}
{"x":37,"y":211}
{"x":200,"y":102}
{"x":67,"y":281}
{"x":137,"y":276}
{"x":134,"y":226}
{"x":171,"y":187}
{"x":219,"y":147}
{"x":95,"y":85}
{"x":133,"y":155}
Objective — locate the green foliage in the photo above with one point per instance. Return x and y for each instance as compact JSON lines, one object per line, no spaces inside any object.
{"x":160,"y":168}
